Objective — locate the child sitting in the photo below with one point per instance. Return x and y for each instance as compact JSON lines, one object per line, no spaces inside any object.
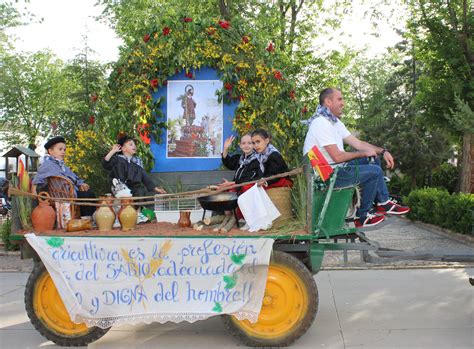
{"x":246,"y":168}
{"x":53,"y":165}
{"x":121,"y":163}
{"x":245,"y":164}
{"x":270,"y":160}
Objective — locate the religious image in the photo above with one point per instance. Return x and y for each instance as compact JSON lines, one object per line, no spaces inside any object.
{"x":195,"y":119}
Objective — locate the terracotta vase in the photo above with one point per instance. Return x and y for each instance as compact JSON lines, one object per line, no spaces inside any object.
{"x":105,"y":215}
{"x":43,"y":215}
{"x":127,"y":215}
{"x":184,"y":219}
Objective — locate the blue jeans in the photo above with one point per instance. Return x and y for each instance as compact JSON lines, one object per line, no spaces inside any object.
{"x":369,"y":177}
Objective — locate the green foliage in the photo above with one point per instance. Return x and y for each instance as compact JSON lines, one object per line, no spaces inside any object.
{"x":445,"y":176}
{"x":442,"y":32}
{"x":84,"y":156}
{"x":88,"y":102}
{"x":250,"y":73}
{"x":400,"y":185}
{"x":437,"y":206}
{"x":389,"y":118}
{"x":22,"y":205}
{"x":34,"y":91}
{"x":6,"y":229}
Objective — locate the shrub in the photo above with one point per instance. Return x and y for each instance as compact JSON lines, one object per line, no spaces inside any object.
{"x":445,"y":176}
{"x":6,"y":229}
{"x":437,"y":206}
{"x":399,"y":185}
{"x":84,"y":157}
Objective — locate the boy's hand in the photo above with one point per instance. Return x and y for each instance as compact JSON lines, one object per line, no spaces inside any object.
{"x":116,"y":148}
{"x":84,"y":187}
{"x":160,"y":190}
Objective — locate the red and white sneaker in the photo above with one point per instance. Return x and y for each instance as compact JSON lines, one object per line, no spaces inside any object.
{"x":391,"y":207}
{"x":369,"y":221}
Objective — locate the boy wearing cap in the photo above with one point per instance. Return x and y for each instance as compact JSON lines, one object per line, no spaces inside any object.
{"x":121,"y":163}
{"x":53,"y":165}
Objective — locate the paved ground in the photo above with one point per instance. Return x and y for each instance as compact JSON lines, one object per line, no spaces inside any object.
{"x":425,"y":304}
{"x":396,"y":234}
{"x":418,"y":308}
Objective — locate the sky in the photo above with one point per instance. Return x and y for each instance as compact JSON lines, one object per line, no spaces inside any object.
{"x":64,"y":25}
{"x":65,"y":22}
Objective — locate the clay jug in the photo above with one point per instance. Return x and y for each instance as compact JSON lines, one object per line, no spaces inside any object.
{"x":184,"y":219}
{"x":127,"y":215}
{"x":105,"y":215}
{"x":43,"y":215}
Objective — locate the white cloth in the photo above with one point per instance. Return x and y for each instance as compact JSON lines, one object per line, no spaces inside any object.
{"x":107,"y":281}
{"x":257,"y":208}
{"x":322,"y":132}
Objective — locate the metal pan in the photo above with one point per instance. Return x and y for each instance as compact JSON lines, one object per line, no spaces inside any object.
{"x":219,"y":202}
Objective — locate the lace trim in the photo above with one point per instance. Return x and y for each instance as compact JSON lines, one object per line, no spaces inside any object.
{"x":161,"y":318}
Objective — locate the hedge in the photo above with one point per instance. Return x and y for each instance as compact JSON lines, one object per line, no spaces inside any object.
{"x":437,"y":206}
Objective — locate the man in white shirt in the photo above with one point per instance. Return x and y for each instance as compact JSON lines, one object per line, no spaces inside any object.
{"x":329,"y":134}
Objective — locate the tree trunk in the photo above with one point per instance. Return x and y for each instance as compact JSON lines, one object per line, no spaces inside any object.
{"x":467,"y":164}
{"x":224,"y":8}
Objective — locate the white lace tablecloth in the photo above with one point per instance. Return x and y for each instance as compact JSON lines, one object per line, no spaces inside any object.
{"x":111,"y":281}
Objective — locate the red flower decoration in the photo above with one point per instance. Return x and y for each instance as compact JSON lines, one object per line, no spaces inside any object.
{"x":270,"y":47}
{"x":148,"y":97}
{"x":304,"y":110}
{"x":189,"y":75}
{"x":146,"y":38}
{"x":166,"y":31}
{"x":224,"y":24}
{"x":211,"y":30}
{"x":91,"y":119}
{"x":245,"y":39}
{"x":143,"y":131}
{"x":277,"y":75}
{"x":187,"y":19}
{"x":241,"y":98}
{"x":154,"y":83}
{"x":94,"y":98}
{"x":228,"y":86}
{"x":292,"y":94}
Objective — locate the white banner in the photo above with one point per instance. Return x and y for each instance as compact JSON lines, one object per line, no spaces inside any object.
{"x":107,"y":281}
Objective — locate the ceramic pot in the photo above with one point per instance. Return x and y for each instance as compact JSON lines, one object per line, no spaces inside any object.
{"x":105,"y":215}
{"x":78,"y":225}
{"x":127,"y":215}
{"x":43,"y":216}
{"x":184,"y":219}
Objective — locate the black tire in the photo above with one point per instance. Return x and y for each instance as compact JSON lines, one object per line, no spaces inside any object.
{"x":261,"y":334}
{"x":82,"y":337}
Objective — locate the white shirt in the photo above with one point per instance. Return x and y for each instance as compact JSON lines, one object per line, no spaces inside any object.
{"x":323,"y":132}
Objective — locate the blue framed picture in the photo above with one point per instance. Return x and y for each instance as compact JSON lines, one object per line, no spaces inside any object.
{"x":197,"y":123}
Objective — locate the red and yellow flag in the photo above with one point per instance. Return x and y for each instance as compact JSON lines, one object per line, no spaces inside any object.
{"x":319,"y":163}
{"x":23,"y":177}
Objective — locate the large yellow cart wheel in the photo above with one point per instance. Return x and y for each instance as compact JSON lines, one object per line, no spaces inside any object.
{"x":48,"y":314}
{"x":289,"y":305}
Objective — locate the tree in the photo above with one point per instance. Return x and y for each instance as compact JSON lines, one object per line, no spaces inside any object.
{"x":34,"y":92}
{"x":442,"y":32}
{"x":385,"y":91}
{"x":87,"y":100}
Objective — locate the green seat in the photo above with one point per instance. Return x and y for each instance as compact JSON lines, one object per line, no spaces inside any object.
{"x":329,"y":208}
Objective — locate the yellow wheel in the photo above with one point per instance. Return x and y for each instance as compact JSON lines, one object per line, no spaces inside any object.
{"x":48,"y":314}
{"x":289,"y":305}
